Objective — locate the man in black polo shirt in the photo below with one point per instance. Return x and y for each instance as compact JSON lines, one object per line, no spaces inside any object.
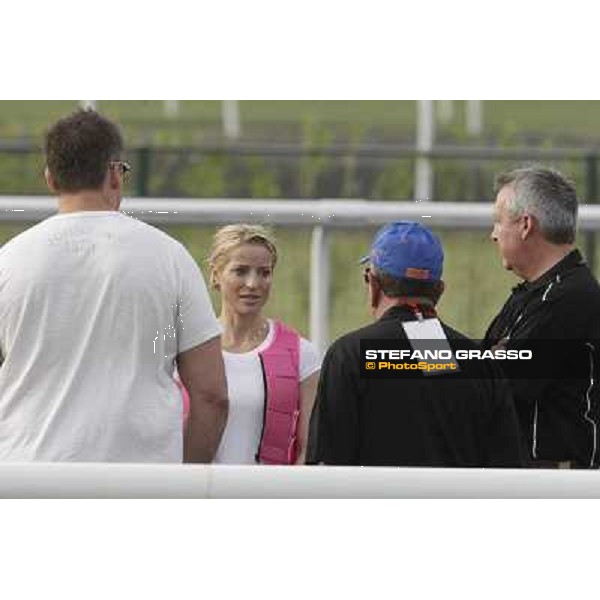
{"x":557,"y":306}
{"x":458,"y":418}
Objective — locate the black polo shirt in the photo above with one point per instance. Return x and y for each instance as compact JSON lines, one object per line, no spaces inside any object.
{"x":464,"y":419}
{"x":559,"y":415}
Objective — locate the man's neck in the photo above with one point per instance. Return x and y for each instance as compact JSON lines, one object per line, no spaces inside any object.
{"x":88,"y":200}
{"x":543,"y":259}
{"x":387,"y":302}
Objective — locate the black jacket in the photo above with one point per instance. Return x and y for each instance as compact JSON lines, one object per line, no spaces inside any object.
{"x":560,"y":311}
{"x":464,"y":419}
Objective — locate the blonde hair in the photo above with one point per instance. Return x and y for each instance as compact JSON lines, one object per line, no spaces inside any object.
{"x":230,"y":237}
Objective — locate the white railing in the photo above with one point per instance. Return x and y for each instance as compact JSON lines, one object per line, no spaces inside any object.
{"x":104,"y":480}
{"x":321,"y":215}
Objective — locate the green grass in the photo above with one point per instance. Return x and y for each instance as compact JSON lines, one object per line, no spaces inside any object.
{"x":573,"y":119}
{"x":270,"y":118}
{"x":138,"y":118}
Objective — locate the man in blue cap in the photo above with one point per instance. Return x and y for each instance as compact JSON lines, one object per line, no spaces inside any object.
{"x":378,"y":403}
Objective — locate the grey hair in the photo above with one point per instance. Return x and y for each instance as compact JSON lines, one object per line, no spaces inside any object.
{"x":547,"y":195}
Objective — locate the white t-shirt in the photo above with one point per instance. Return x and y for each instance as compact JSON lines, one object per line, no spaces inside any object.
{"x":94,"y":308}
{"x":245,"y":387}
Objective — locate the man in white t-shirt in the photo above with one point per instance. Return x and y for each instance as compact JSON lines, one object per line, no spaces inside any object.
{"x":96,"y":310}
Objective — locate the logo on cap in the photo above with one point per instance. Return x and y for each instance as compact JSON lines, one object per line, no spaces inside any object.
{"x":417,"y":273}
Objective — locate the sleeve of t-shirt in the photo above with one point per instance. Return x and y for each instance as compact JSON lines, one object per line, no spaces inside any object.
{"x":310,"y":361}
{"x":196,"y":321}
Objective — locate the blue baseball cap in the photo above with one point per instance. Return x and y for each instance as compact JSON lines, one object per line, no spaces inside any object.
{"x":407,"y":250}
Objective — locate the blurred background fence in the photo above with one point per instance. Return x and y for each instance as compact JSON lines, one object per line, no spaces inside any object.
{"x":277,"y":170}
{"x":309,"y":150}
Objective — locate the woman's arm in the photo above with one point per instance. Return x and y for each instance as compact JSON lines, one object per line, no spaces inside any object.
{"x":308,"y":391}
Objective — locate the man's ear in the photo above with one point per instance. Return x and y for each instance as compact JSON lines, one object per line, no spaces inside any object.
{"x":50,"y":181}
{"x":374,"y":292}
{"x":440,"y":286}
{"x":115,"y":180}
{"x":528,"y":226}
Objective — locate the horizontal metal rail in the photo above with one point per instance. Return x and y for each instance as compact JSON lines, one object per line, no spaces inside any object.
{"x":346,"y":214}
{"x":328,"y":213}
{"x":104,"y":480}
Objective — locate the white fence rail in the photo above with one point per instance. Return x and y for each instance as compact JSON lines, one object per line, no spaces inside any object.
{"x":321,"y":215}
{"x":328,"y":213}
{"x":102,"y":480}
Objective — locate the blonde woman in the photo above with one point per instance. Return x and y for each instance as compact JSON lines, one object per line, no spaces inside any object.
{"x":272,"y":372}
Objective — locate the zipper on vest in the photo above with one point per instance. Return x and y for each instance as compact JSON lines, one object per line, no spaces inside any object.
{"x":262,"y":431}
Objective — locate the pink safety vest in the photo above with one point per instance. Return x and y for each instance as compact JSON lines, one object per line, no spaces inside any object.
{"x":280,"y":364}
{"x":281,"y":368}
